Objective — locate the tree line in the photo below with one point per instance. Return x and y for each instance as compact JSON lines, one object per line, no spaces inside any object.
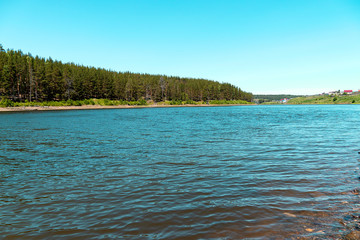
{"x":24,"y":77}
{"x":274,"y":97}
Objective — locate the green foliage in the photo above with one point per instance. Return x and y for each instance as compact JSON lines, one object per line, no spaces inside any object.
{"x":270,"y":103}
{"x":89,"y":102}
{"x":106,"y":102}
{"x":228,"y":102}
{"x":176,"y":102}
{"x":142,"y":102}
{"x":24,"y":77}
{"x":327,"y":99}
{"x":274,"y":97}
{"x":190,"y":102}
{"x":137,"y":103}
{"x":6,"y":103}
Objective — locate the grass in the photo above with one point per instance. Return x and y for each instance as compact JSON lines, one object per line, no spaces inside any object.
{"x":271,"y":103}
{"x":326,"y":99}
{"x":108,"y":102}
{"x":229,"y":102}
{"x":101,"y":102}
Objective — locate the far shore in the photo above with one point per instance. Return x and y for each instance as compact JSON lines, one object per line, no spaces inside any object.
{"x":90,"y":107}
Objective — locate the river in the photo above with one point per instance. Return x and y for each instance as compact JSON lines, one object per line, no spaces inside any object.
{"x":239,"y":172}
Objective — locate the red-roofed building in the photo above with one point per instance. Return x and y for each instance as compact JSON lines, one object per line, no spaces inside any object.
{"x":348,"y":91}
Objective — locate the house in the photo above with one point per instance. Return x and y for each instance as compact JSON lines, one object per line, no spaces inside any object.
{"x":348,"y":91}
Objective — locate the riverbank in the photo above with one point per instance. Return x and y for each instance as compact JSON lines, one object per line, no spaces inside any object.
{"x":91,"y":107}
{"x":326,"y":99}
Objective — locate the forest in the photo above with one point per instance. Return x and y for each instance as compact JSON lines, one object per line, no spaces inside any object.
{"x":27,"y":78}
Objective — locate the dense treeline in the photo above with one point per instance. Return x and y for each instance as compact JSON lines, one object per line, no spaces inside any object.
{"x":24,"y":77}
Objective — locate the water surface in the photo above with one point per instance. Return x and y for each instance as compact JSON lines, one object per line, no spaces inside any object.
{"x":259,"y":172}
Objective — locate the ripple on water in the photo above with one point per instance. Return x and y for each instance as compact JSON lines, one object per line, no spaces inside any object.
{"x":267,"y":172}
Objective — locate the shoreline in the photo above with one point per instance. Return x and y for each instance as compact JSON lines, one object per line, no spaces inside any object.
{"x":94,"y":107}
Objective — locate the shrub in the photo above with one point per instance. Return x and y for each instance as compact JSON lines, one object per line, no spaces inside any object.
{"x":6,"y":103}
{"x":108,"y":102}
{"x":77,"y":103}
{"x":176,"y":102}
{"x":142,"y":102}
{"x":190,"y":102}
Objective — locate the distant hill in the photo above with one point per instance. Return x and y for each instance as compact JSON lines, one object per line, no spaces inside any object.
{"x":274,"y":97}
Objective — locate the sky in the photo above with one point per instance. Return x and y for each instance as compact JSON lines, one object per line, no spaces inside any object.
{"x":263,"y":47}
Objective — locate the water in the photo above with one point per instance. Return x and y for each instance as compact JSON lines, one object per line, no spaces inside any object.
{"x":258,"y":172}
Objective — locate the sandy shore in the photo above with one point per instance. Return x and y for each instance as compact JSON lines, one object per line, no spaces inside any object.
{"x":88,"y":107}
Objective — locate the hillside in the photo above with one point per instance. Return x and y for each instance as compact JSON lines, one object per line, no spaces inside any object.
{"x":326,"y":99}
{"x":266,"y":98}
{"x":275,"y":97}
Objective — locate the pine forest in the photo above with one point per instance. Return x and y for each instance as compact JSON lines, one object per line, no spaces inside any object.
{"x":27,"y":78}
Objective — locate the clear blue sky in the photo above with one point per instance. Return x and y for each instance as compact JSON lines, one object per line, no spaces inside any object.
{"x":297,"y":46}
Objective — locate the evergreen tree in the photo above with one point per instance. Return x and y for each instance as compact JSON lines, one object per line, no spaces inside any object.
{"x":23,"y":76}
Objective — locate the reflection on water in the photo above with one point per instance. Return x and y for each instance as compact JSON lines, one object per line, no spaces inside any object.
{"x":269,"y":172}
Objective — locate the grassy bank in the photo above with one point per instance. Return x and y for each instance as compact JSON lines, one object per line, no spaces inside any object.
{"x":326,"y":99}
{"x":107,"y":102}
